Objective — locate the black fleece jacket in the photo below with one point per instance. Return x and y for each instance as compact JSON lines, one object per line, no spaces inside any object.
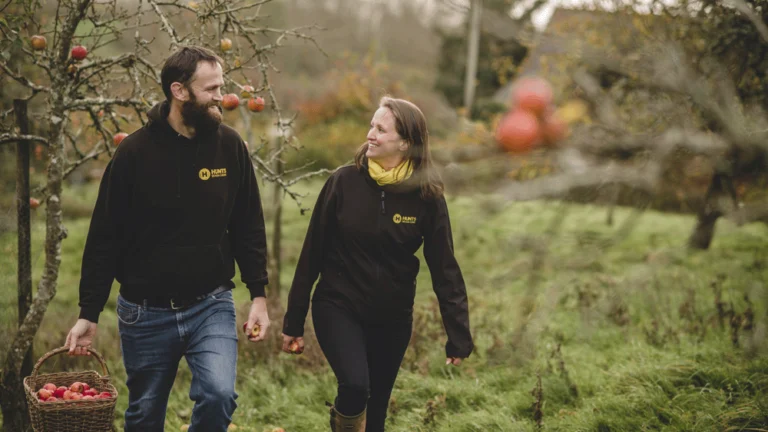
{"x":171,"y":217}
{"x":362,"y":241}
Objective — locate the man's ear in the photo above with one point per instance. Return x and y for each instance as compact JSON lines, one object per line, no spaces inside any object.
{"x":179,"y":91}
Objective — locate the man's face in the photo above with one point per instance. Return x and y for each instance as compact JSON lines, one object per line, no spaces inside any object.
{"x":202,"y":110}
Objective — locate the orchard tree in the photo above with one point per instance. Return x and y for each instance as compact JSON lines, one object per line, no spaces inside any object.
{"x":89,"y":71}
{"x":687,"y":85}
{"x":679,"y":89}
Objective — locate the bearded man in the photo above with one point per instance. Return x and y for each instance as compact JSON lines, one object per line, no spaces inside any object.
{"x":177,"y":206}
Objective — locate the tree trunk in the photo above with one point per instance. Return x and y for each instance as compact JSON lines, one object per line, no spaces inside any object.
{"x":719,"y":192}
{"x":614,"y":199}
{"x":14,"y":404}
{"x":12,"y":401}
{"x":23,"y":224}
{"x":277,"y":227}
{"x":472,"y":54}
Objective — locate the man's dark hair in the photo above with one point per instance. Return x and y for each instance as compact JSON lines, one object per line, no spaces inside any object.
{"x":181,"y":66}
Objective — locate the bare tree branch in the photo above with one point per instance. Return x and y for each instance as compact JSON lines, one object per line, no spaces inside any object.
{"x":101,"y":101}
{"x":559,"y":185}
{"x":309,"y":175}
{"x":215,"y":12}
{"x":603,"y":106}
{"x":24,"y":81}
{"x":12,"y":138}
{"x":166,"y":24}
{"x":270,"y":175}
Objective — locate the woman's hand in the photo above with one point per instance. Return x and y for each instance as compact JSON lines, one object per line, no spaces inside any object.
{"x":453,"y":360}
{"x":293,"y":345}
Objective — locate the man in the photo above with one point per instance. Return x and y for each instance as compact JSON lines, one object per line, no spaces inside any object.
{"x":178,"y":203}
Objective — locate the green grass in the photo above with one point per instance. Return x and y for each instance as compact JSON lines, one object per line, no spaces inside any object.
{"x":632,"y":311}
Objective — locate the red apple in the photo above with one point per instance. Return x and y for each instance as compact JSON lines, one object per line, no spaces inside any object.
{"x":246,"y":91}
{"x":52,"y":399}
{"x":68,"y":395}
{"x":79,"y":52}
{"x":90,"y":392}
{"x":518,"y":132}
{"x":87,"y":397}
{"x":59,"y":393}
{"x":230,"y":101}
{"x":76,"y":387}
{"x":38,"y":42}
{"x":118,"y":138}
{"x":105,"y":395}
{"x":254,"y":331}
{"x":85,"y":386}
{"x":226,"y":44}
{"x":44,"y":394}
{"x":34,"y":203}
{"x":256,"y":104}
{"x":75,"y":396}
{"x":532,"y":94}
{"x":50,"y":386}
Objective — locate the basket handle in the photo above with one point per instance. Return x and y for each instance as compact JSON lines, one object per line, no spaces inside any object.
{"x":63,"y":349}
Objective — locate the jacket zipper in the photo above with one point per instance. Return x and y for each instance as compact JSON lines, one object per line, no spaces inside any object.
{"x":383,"y":210}
{"x":378,"y":228}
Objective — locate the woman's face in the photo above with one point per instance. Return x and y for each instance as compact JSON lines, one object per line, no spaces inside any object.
{"x":385,"y":145}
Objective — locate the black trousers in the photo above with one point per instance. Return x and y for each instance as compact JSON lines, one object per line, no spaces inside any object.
{"x":365,"y":358}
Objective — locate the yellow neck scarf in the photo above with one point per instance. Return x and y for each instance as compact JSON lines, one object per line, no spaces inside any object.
{"x":393,"y":176}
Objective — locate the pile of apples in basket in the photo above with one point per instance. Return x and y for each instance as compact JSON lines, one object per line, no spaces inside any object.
{"x":77,"y":391}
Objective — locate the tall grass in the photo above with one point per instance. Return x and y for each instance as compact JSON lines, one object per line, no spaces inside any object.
{"x":626,"y":328}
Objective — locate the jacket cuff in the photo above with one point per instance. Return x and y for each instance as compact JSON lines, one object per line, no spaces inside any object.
{"x":257,"y":291}
{"x":452,"y":350}
{"x":90,"y":314}
{"x":292,"y":329}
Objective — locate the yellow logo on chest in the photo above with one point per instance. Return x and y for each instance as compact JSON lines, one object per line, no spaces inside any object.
{"x":397,"y":218}
{"x":206,"y":173}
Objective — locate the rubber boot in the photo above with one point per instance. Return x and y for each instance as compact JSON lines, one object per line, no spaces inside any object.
{"x":342,"y":423}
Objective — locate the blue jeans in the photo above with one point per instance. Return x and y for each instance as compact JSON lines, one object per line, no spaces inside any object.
{"x":153,"y":340}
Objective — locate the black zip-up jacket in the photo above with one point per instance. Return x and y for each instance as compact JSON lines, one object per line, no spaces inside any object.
{"x":171,"y":216}
{"x":362,"y":241}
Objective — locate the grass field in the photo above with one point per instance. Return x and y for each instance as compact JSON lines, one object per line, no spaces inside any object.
{"x":585,"y":326}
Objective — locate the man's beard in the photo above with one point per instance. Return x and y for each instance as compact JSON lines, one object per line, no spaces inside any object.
{"x":200,"y":117}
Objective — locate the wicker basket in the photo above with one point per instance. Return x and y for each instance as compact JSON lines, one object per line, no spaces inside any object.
{"x":95,"y":415}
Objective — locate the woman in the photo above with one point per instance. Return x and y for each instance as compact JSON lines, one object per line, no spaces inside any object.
{"x":367,"y":224}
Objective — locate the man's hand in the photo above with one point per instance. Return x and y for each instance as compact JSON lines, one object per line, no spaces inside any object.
{"x":453,"y":361}
{"x":81,"y":337}
{"x":293,"y":345}
{"x":258,"y":316}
